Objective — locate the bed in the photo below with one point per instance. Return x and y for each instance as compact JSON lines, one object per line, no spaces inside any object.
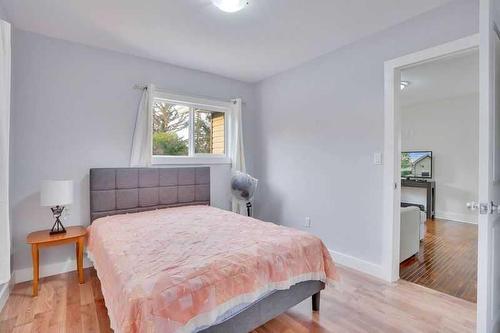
{"x":168,"y":262}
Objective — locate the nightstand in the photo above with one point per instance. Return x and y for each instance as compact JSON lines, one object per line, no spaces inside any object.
{"x":40,"y":239}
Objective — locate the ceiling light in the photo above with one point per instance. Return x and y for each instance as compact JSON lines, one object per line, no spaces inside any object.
{"x":404,"y":84}
{"x":230,"y":6}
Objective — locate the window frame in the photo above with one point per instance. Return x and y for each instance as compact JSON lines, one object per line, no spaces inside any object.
{"x":194,"y":103}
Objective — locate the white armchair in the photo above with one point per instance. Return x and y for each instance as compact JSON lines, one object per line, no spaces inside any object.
{"x":423,"y":228}
{"x":410,"y":232}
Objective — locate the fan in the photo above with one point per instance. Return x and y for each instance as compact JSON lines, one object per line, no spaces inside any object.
{"x":243,"y":188}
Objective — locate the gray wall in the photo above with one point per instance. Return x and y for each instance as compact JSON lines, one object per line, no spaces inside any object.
{"x":3,"y":13}
{"x":73,"y":108}
{"x":321,"y":123}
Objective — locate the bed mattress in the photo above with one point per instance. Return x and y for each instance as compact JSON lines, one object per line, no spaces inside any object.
{"x":186,"y":268}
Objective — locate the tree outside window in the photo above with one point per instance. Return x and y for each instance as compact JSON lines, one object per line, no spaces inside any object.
{"x":172,"y":130}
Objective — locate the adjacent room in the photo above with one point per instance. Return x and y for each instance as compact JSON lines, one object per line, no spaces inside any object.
{"x":263,"y":166}
{"x":439,"y":106}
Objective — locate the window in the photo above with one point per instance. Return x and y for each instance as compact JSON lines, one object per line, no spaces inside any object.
{"x":209,"y":132}
{"x":170,"y":129}
{"x":188,"y":130}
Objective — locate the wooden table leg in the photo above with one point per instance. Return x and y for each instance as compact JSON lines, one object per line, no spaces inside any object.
{"x":79,"y":259}
{"x":34,"y":254}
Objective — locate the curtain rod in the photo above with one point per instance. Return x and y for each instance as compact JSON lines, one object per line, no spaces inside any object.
{"x":143,"y":86}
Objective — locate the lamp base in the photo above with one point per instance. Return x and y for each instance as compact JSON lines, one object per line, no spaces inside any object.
{"x":57,"y":228}
{"x":57,"y":232}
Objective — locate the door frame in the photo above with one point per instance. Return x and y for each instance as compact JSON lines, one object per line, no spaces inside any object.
{"x":392,"y":142}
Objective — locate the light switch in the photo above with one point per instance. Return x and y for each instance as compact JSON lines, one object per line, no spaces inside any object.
{"x":377,"y":158}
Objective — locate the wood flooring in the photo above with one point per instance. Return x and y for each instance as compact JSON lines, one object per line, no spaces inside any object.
{"x":447,"y":260}
{"x":358,"y":303}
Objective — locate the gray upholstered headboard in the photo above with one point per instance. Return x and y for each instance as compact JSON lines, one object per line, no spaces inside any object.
{"x":129,"y":190}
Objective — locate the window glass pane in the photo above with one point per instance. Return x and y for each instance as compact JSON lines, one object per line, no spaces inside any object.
{"x":170,"y":129}
{"x":208,"y":132}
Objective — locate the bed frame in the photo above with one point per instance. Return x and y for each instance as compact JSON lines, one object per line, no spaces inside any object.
{"x":130,"y":190}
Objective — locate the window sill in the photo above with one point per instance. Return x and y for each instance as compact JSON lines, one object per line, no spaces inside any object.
{"x":188,"y":160}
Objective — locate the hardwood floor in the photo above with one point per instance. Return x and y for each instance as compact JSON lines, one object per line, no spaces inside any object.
{"x":447,"y":260}
{"x":358,"y":303}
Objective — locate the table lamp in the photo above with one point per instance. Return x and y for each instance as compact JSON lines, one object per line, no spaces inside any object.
{"x":56,"y":194}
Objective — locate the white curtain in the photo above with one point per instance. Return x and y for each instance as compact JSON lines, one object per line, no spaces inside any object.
{"x":4,"y":151}
{"x":236,"y":151}
{"x":142,"y":142}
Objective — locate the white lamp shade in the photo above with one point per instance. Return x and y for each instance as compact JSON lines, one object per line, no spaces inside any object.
{"x":56,"y":193}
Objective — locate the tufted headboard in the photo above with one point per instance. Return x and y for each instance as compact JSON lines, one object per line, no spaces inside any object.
{"x":129,"y":190}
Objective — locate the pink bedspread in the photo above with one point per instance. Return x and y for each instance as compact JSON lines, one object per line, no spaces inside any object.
{"x":178,"y":269}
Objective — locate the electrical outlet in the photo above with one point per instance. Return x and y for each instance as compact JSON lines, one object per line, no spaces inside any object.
{"x":307,"y":223}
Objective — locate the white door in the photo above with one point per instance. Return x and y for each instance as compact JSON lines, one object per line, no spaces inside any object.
{"x":488,"y":298}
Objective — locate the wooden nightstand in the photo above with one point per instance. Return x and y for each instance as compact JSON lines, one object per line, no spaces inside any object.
{"x":43,"y":238}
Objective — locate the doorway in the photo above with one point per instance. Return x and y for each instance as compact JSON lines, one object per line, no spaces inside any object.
{"x":439,"y":112}
{"x":393,"y":145}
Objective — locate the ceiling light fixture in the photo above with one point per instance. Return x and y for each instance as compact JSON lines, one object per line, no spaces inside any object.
{"x":404,"y":84}
{"x":230,"y":6}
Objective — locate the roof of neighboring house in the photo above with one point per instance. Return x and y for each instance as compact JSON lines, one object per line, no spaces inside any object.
{"x":421,"y":159}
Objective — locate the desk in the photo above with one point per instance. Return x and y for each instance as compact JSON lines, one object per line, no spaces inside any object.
{"x":430,"y":187}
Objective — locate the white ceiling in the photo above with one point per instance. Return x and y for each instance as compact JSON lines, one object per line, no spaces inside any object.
{"x":448,"y":77}
{"x":267,"y":37}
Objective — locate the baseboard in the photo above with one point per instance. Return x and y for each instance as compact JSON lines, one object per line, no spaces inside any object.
{"x":4,"y":294}
{"x":26,"y":274}
{"x":457,"y":217}
{"x":5,"y":291}
{"x":358,"y":264}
